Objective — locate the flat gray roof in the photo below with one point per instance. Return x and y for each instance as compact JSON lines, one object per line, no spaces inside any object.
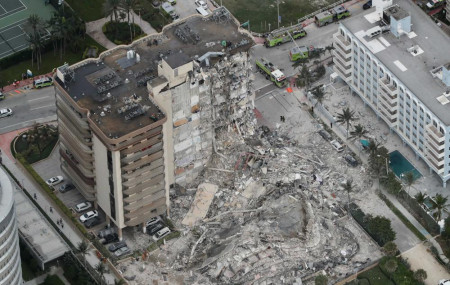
{"x":412,"y":71}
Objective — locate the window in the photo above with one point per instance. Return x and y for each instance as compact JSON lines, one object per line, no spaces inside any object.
{"x":342,"y":32}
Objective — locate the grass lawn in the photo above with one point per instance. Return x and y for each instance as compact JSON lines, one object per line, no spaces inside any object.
{"x":22,"y":146}
{"x":153,"y":15}
{"x":49,"y":61}
{"x":261,"y":13}
{"x":375,"y":277}
{"x":88,"y":10}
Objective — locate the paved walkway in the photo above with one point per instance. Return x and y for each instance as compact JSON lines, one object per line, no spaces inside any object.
{"x":69,"y":230}
{"x":94,"y":29}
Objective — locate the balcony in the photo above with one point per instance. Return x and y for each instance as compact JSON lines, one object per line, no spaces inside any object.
{"x":345,"y":54}
{"x":434,"y":133}
{"x":345,"y":75}
{"x":388,"y":101}
{"x":338,"y":59}
{"x":387,"y":87}
{"x":436,"y":167}
{"x":390,"y":119}
{"x":342,"y":42}
{"x":438,"y":156}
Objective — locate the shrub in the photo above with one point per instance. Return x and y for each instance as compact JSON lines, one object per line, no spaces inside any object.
{"x":53,"y":280}
{"x":119,"y":33}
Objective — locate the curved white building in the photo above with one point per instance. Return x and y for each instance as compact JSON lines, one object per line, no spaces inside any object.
{"x":10,"y":268}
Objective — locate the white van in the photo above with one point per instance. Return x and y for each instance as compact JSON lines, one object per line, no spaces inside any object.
{"x":202,"y":11}
{"x":162,"y":233}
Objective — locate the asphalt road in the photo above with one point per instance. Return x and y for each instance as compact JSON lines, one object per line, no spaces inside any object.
{"x":29,"y":107}
{"x":279,"y":55}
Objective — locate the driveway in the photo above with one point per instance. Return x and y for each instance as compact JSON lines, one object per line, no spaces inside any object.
{"x":420,"y":258}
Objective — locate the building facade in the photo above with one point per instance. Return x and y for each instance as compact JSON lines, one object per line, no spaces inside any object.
{"x":10,"y":267}
{"x":447,"y":10}
{"x":401,"y":75}
{"x":121,"y":143}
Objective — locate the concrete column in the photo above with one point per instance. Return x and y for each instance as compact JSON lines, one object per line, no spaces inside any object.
{"x":430,"y":169}
{"x":404,"y":143}
{"x":444,"y":184}
{"x":108,"y":221}
{"x":119,"y":232}
{"x":144,"y":228}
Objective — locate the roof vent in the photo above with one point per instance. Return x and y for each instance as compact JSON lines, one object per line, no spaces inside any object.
{"x":108,"y":95}
{"x":102,"y":114}
{"x":415,"y":50}
{"x":127,"y":80}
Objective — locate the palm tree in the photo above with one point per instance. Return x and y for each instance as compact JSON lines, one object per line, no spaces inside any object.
{"x":348,"y":187}
{"x":83,"y":248}
{"x":305,"y":76}
{"x":390,"y":248}
{"x":358,"y":132}
{"x":321,"y":280}
{"x":36,"y":45}
{"x":440,"y":203}
{"x":408,"y":179}
{"x":420,"y":275}
{"x":101,"y":268}
{"x":420,"y":197}
{"x":346,"y":117}
{"x":318,"y":94}
{"x":111,"y":8}
{"x":119,"y":282}
{"x":391,"y":266}
{"x":329,"y":48}
{"x":373,"y":147}
{"x":36,"y":24}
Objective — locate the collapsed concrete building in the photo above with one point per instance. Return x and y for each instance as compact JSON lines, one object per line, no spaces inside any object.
{"x":139,"y":118}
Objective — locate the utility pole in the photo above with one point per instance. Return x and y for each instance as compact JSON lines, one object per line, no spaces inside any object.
{"x":278,"y":12}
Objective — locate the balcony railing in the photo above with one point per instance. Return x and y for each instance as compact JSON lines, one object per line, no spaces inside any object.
{"x":435,"y":133}
{"x":342,"y":41}
{"x":345,"y":63}
{"x":345,"y":75}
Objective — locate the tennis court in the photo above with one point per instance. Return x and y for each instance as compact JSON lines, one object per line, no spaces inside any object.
{"x":14,"y":26}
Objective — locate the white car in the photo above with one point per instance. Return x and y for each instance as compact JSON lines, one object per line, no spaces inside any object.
{"x":152,"y":221}
{"x":89,"y":215}
{"x":444,"y":282}
{"x":6,"y":112}
{"x":337,"y":146}
{"x":201,"y":3}
{"x":83,"y":206}
{"x":161,"y":233}
{"x":54,"y":180}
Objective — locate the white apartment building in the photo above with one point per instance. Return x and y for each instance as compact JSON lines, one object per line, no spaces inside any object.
{"x":398,"y":61}
{"x":10,"y":268}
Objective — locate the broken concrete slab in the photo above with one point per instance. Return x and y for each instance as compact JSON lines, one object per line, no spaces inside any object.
{"x":200,"y":205}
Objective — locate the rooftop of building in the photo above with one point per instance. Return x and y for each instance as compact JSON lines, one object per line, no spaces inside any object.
{"x":412,"y":56}
{"x":114,"y":87}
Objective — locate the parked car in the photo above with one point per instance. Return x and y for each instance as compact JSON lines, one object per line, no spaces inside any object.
{"x":66,"y":187}
{"x":161,"y":233}
{"x":326,"y":135}
{"x":83,"y":206}
{"x":122,"y":251}
{"x":152,"y":221}
{"x":172,"y":2}
{"x":117,"y":246}
{"x":89,"y":215}
{"x":351,"y":160}
{"x":367,"y":5}
{"x":2,"y":96}
{"x":201,"y":3}
{"x":108,"y":230}
{"x":337,"y":146}
{"x":110,"y":238}
{"x":6,"y":112}
{"x":444,"y":282}
{"x":92,"y":222}
{"x":54,"y":180}
{"x":153,"y":229}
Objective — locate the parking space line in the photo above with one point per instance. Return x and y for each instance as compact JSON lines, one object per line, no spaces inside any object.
{"x":41,"y":98}
{"x":46,"y":106}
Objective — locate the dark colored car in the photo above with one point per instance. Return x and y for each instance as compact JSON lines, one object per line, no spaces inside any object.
{"x":117,"y":245}
{"x":326,"y":135}
{"x":110,"y":238}
{"x":92,"y":222}
{"x":66,"y":187}
{"x":154,"y":228}
{"x":351,"y":160}
{"x":368,"y":5}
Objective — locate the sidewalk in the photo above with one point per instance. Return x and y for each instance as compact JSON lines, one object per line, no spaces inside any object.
{"x":69,"y":230}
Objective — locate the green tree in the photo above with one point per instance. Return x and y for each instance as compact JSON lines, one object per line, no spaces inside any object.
{"x":119,"y":282}
{"x":358,"y":132}
{"x":390,"y":249}
{"x":83,"y":248}
{"x":101,"y":269}
{"x":446,"y":232}
{"x":305,"y":77}
{"x":420,"y":197}
{"x":391,"y":266}
{"x":373,"y":147}
{"x":111,"y":8}
{"x":348,"y":187}
{"x":329,"y":48}
{"x":36,"y":24}
{"x":439,"y":205}
{"x":420,"y":275}
{"x":321,"y":280}
{"x":380,"y":229}
{"x":346,"y":117}
{"x":408,"y":179}
{"x":36,"y":44}
{"x":318,"y":94}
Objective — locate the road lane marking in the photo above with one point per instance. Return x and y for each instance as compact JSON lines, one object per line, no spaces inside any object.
{"x":46,"y":106}
{"x":39,"y":98}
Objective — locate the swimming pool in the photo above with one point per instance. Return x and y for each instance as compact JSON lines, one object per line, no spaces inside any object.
{"x":400,"y":165}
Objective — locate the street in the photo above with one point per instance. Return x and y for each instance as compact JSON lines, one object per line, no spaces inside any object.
{"x":29,"y":107}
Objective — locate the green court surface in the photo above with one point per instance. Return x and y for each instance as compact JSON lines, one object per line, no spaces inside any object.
{"x":14,"y":28}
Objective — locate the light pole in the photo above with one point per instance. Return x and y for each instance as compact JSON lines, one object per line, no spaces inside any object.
{"x":278,"y":12}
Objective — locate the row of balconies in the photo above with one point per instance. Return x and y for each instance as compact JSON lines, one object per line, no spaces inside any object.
{"x":142,"y":145}
{"x":145,"y":201}
{"x":13,"y":266}
{"x":130,"y":175}
{"x":141,"y":154}
{"x":145,"y":185}
{"x":143,"y":161}
{"x":86,"y":189}
{"x":146,"y":212}
{"x":64,"y":108}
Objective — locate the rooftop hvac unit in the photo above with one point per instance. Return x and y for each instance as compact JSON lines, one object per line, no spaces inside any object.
{"x":138,"y":57}
{"x":130,"y":54}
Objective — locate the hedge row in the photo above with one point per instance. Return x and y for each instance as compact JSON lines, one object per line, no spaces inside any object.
{"x":399,"y":214}
{"x":52,"y":195}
